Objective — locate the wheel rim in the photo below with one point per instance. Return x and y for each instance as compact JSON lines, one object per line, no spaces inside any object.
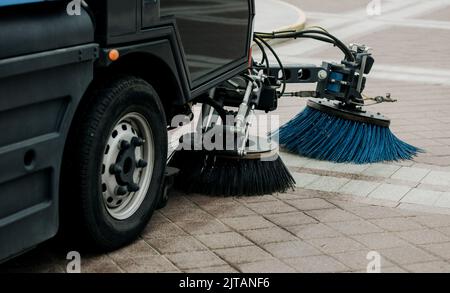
{"x":127,"y":166}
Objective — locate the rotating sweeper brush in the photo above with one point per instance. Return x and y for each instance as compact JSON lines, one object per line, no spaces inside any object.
{"x":335,"y":125}
{"x":222,"y":158}
{"x":329,"y":131}
{"x":260,"y":171}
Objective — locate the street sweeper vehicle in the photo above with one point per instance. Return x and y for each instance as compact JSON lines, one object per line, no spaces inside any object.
{"x":89,"y":90}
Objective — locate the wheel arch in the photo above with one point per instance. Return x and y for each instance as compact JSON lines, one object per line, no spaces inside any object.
{"x":158,"y":73}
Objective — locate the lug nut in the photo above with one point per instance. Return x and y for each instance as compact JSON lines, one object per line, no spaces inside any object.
{"x":115,"y":169}
{"x":137,"y":141}
{"x":133,"y":187}
{"x":121,"y":190}
{"x":141,"y":164}
{"x":124,"y":145}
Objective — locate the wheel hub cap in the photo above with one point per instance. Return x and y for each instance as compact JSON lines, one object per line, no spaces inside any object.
{"x":127,"y":166}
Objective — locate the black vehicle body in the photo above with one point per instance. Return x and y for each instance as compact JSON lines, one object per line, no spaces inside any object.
{"x":49,"y":59}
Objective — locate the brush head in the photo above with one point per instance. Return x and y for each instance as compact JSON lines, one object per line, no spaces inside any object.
{"x":326,"y":132}
{"x":211,"y":174}
{"x":337,"y":109}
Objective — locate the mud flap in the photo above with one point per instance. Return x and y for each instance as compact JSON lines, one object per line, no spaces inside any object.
{"x":169,"y":180}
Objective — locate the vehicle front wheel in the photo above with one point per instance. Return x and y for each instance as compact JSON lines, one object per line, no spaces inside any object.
{"x":116,"y":162}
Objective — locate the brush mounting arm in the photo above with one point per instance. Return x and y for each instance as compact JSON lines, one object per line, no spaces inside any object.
{"x":343,"y":82}
{"x":298,"y":73}
{"x":242,"y":92}
{"x":334,"y":81}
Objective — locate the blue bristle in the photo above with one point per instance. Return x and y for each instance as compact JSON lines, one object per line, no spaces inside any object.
{"x":322,"y":136}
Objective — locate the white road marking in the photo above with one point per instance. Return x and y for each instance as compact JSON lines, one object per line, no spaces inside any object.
{"x":404,"y":22}
{"x":393,"y":10}
{"x":281,"y":13}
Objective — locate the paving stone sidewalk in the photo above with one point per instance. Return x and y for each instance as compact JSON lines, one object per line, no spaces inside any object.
{"x":300,"y":231}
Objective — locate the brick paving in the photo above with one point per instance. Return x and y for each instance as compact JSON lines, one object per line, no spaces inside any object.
{"x":326,"y":234}
{"x":338,"y":213}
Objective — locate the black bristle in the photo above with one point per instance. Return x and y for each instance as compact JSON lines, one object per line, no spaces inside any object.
{"x":210,"y":174}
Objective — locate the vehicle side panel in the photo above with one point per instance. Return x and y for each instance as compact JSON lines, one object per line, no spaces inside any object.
{"x":41,"y":84}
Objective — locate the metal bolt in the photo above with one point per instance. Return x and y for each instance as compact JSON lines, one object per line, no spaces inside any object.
{"x":322,"y":74}
{"x":121,"y":190}
{"x":136,"y":141}
{"x":141,"y":164}
{"x":124,"y":145}
{"x":115,"y":169}
{"x":133,"y":187}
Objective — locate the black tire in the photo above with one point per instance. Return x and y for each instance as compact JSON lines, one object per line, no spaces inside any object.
{"x":163,"y":201}
{"x":84,"y":210}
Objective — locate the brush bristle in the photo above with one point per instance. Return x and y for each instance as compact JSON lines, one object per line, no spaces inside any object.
{"x":206,"y":173}
{"x":322,"y":136}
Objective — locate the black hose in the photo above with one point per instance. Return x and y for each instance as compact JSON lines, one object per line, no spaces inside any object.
{"x":320,"y":35}
{"x":278,"y":60}
{"x":263,"y":51}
